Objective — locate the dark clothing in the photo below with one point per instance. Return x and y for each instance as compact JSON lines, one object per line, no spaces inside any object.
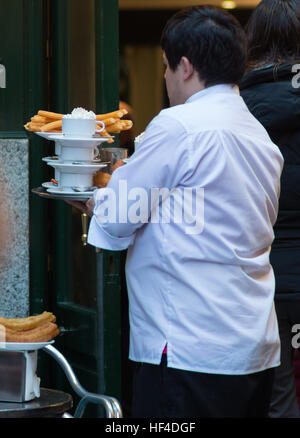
{"x":162,"y":392}
{"x":271,"y":97}
{"x":284,"y":403}
{"x":274,"y":99}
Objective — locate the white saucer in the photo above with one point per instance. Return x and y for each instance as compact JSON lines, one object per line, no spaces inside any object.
{"x":79,"y":141}
{"x":23,"y":346}
{"x":46,"y":159}
{"x":49,"y":185}
{"x":62,"y":191}
{"x":74,"y":162}
{"x":76,"y":165}
{"x":76,"y":196}
{"x":47,"y":135}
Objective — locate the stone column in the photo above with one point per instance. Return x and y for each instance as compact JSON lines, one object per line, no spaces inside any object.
{"x":14,"y":227}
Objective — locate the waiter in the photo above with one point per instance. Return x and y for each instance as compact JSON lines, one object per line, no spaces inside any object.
{"x":195,"y":206}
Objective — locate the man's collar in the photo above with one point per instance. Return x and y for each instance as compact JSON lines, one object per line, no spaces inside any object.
{"x":221,"y":88}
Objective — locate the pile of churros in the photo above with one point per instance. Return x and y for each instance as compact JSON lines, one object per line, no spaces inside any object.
{"x":37,"y":328}
{"x":46,"y":121}
{"x":101,"y":179}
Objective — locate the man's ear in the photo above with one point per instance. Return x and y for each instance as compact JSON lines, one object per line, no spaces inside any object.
{"x":187,"y":67}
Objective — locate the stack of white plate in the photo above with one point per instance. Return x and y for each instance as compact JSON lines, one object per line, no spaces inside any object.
{"x":74,"y":164}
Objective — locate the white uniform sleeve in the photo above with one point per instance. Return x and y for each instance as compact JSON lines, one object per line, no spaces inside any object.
{"x":125,"y":204}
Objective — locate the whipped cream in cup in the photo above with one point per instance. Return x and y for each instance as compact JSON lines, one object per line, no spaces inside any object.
{"x":81,"y":123}
{"x":81,"y":113}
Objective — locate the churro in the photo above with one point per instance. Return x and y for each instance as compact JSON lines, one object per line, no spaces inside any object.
{"x":47,"y":121}
{"x":116,"y":114}
{"x":115,"y":128}
{"x":20,"y":324}
{"x":32,"y":127}
{"x":50,"y":126}
{"x":50,"y":115}
{"x":104,"y":133}
{"x":40,"y":119}
{"x":109,"y":121}
{"x":101,"y":179}
{"x":117,"y":164}
{"x":43,"y":333}
{"x":126,"y":124}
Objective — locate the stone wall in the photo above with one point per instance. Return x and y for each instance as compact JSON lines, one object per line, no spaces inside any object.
{"x":14,"y":227}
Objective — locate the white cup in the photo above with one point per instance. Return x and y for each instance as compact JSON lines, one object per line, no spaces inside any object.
{"x":81,"y":127}
{"x":69,"y":153}
{"x":68,"y":180}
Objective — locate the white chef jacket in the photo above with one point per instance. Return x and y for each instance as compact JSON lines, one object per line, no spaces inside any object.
{"x":207,"y":292}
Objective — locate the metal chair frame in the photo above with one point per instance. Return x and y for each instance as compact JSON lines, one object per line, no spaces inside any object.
{"x":111,"y":405}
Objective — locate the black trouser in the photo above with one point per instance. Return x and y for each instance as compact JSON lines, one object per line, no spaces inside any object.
{"x":284,"y":402}
{"x":162,"y":392}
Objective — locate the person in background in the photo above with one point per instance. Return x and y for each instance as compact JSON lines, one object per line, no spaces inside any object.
{"x":127,"y":137}
{"x":272,"y":94}
{"x":203,"y":329}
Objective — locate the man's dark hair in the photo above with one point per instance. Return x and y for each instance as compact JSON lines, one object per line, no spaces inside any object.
{"x":213,"y":41}
{"x":274,"y":32}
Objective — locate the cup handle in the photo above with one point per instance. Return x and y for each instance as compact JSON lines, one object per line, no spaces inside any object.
{"x":96,"y":152}
{"x":103,"y":126}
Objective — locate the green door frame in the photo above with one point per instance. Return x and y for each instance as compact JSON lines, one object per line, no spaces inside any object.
{"x":51,"y":285}
{"x":35,"y":98}
{"x":27,"y":52}
{"x":107,"y":99}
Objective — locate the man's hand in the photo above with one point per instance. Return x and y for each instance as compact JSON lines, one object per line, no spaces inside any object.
{"x":85,"y":207}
